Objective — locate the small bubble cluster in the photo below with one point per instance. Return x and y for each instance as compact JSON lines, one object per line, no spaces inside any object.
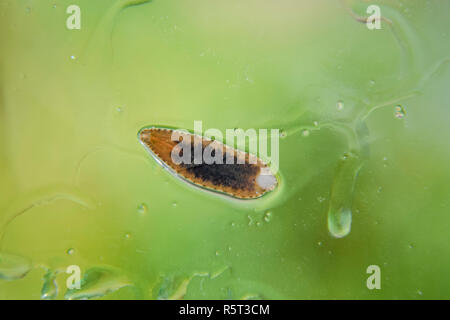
{"x":267,"y":216}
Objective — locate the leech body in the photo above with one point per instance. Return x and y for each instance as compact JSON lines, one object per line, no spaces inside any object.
{"x":247,"y":177}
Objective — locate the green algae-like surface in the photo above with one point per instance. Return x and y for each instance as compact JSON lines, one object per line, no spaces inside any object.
{"x":364,"y":157}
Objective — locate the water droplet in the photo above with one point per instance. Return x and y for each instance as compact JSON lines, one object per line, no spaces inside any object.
{"x":119,"y":109}
{"x":371,"y":83}
{"x":73,"y":57}
{"x":319,"y":243}
{"x":258,"y":224}
{"x":341,"y":198}
{"x":339,"y":222}
{"x":142,"y":209}
{"x":305,"y":132}
{"x":283,"y":134}
{"x":399,"y":112}
{"x":419,"y":292}
{"x":174,"y":204}
{"x":267,"y":216}
{"x":316,"y":123}
{"x":13,"y":267}
{"x":49,"y":289}
{"x":98,"y":282}
{"x":340,"y":105}
{"x":127,"y":235}
{"x":71,"y":251}
{"x":233,"y":224}
{"x":321,"y":199}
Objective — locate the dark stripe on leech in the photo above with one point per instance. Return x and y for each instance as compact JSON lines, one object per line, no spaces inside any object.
{"x":236,"y":176}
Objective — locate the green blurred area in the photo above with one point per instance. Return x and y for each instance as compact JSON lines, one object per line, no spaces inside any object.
{"x":77,"y":188}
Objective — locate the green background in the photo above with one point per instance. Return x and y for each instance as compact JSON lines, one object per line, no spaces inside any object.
{"x":77,"y":188}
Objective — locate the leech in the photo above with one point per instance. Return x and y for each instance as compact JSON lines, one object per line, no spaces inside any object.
{"x":246,"y":177}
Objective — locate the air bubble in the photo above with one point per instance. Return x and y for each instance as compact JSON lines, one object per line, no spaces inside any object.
{"x":305,"y":132}
{"x":268,"y":216}
{"x":71,"y":251}
{"x":340,"y":105}
{"x":142,"y":209}
{"x":400,"y":112}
